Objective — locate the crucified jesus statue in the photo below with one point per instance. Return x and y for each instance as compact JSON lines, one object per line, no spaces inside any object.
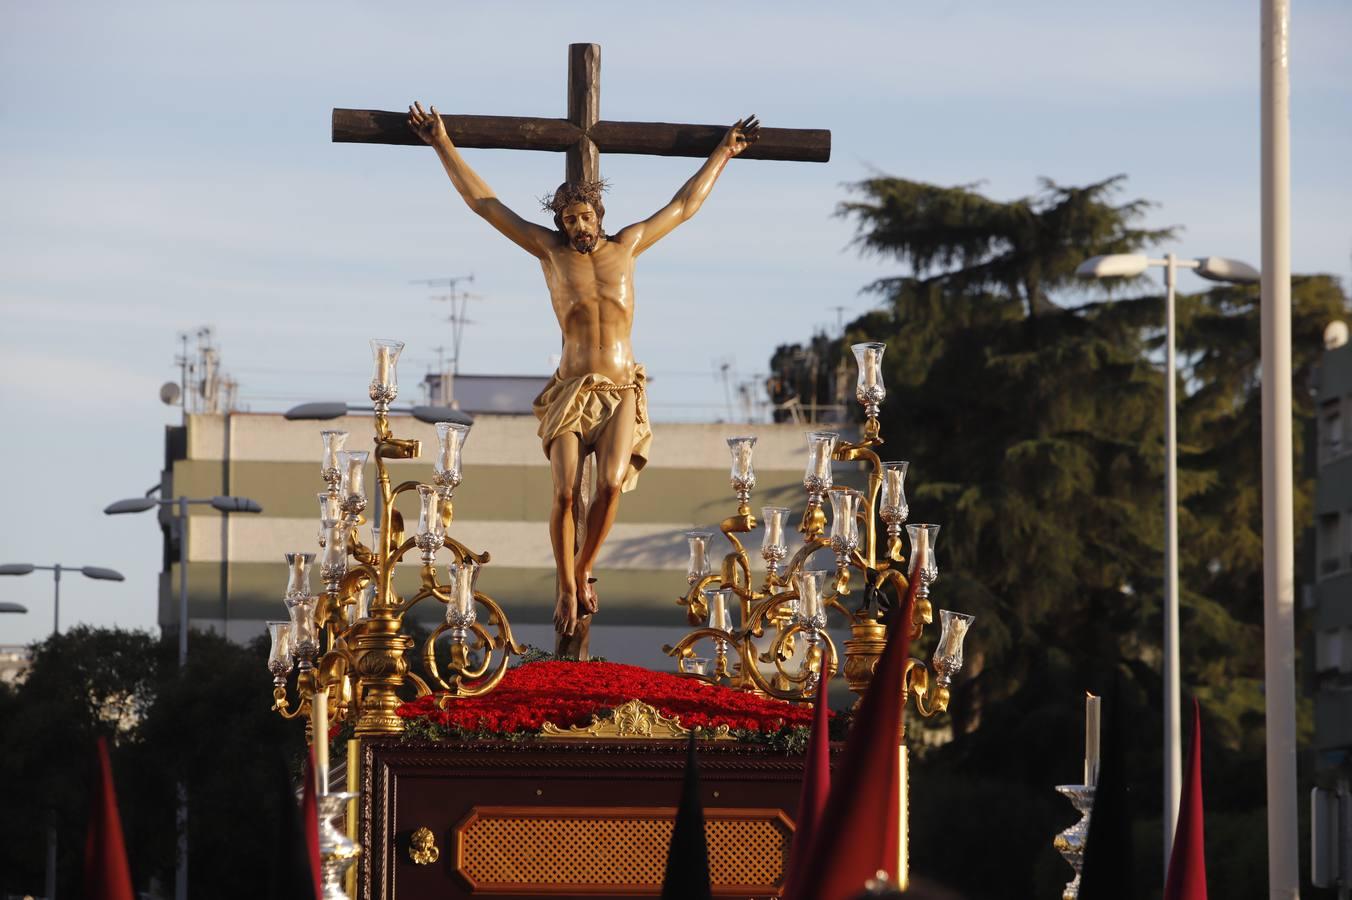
{"x":594,"y":403}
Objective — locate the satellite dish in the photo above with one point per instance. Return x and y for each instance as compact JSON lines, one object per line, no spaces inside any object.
{"x":169,"y":393}
{"x":1335,"y":335}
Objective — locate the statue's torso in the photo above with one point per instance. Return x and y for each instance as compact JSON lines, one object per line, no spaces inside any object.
{"x":593,"y":298}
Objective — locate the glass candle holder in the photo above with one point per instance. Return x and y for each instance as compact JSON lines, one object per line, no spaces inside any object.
{"x":279,"y":657}
{"x":304,"y":634}
{"x":329,"y":466}
{"x":460,"y":610}
{"x":362,"y":608}
{"x":333,"y":564}
{"x":718,"y":601}
{"x":298,"y":567}
{"x":773,"y":546}
{"x":354,"y":481}
{"x":820,"y":446}
{"x":330,"y":507}
{"x":451,"y":437}
{"x":869,"y":389}
{"x":947,"y":660}
{"x":743,"y":475}
{"x":430,"y":529}
{"x":845,"y":520}
{"x":385,"y":353}
{"x":699,"y":555}
{"x":892,"y":507}
{"x":811,"y":605}
{"x":923,"y":538}
{"x":695,"y":665}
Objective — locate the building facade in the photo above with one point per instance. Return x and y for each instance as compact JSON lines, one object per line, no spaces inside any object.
{"x":237,"y":576}
{"x":1333,"y":563}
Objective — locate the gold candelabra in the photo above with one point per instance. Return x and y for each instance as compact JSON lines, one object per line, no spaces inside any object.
{"x":795,"y":604}
{"x":348,"y":643}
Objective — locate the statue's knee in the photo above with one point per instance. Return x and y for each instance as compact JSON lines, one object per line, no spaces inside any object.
{"x":563,"y":498}
{"x":608,"y":488}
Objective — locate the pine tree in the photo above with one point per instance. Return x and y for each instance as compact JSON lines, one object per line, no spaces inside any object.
{"x":1031,"y":426}
{"x":1033,"y":420}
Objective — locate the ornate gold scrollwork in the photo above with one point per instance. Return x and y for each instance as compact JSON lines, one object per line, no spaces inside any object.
{"x":634,"y":719}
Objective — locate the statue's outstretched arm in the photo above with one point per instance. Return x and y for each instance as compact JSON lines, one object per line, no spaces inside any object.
{"x":532,"y":238}
{"x":642,"y":235}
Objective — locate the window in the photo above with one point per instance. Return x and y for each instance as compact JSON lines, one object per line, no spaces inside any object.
{"x":1347,"y":540}
{"x":1331,"y":441}
{"x":1330,"y":546}
{"x":1330,"y":650}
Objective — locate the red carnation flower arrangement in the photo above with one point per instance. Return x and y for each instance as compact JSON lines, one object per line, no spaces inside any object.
{"x":571,"y":693}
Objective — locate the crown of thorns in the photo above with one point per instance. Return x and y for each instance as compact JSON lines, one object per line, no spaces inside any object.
{"x":574,"y":192}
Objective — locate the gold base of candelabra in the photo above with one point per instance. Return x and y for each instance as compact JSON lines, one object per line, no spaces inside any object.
{"x":379,"y":650}
{"x":862,"y":651}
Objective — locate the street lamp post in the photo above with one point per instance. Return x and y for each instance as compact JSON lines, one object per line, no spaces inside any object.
{"x":324,"y":411}
{"x":96,"y":572}
{"x":1215,"y":268}
{"x":220,"y":504}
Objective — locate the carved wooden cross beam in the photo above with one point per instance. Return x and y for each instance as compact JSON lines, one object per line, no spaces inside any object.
{"x":583,"y":135}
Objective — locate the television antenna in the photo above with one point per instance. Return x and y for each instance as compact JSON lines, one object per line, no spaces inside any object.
{"x":459,"y":301}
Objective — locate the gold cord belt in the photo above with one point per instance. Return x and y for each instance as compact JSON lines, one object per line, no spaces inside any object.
{"x":634,"y":386}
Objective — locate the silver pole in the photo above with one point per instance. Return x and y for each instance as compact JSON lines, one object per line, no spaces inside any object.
{"x":1173,"y":747}
{"x":181,"y":869}
{"x":56,"y":604}
{"x":51,"y":856}
{"x":50,"y":887}
{"x":182,"y":582}
{"x":1278,"y":491}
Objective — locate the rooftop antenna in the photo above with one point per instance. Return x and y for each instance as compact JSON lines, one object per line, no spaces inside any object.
{"x":840,"y":319}
{"x":184,"y":363}
{"x":202,"y":387}
{"x":437,"y":379}
{"x":726,"y":375}
{"x":459,"y":300}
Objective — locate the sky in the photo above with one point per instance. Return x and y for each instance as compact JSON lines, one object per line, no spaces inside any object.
{"x":168,"y":165}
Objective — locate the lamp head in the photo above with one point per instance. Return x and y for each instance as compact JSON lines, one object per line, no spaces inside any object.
{"x":102,"y":574}
{"x":434,"y":414}
{"x":1114,"y":265}
{"x":131,"y":505}
{"x":16,"y":569}
{"x":317,"y":411}
{"x":1218,"y":268}
{"x":13,"y":608}
{"x":235,"y":504}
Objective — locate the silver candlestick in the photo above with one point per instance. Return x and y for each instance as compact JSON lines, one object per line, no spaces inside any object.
{"x":337,"y":851}
{"x":1070,"y":842}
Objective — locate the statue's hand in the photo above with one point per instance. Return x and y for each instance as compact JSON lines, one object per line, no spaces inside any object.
{"x":741,"y":135}
{"x":427,"y":125}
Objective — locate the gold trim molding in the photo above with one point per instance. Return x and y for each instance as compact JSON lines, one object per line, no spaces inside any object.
{"x":634,"y":719}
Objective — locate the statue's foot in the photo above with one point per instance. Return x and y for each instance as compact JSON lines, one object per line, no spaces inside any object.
{"x":565,"y":613}
{"x":586,"y":594}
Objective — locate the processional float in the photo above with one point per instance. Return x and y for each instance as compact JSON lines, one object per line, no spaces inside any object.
{"x":346,"y":646}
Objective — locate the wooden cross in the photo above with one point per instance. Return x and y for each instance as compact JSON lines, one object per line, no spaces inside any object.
{"x":583,"y":135}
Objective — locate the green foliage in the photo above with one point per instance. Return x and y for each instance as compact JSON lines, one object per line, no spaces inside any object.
{"x":80,"y":685}
{"x":1034,"y":425}
{"x":788,"y":740}
{"x":1022,"y":248}
{"x":534,"y":654}
{"x":210,"y":727}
